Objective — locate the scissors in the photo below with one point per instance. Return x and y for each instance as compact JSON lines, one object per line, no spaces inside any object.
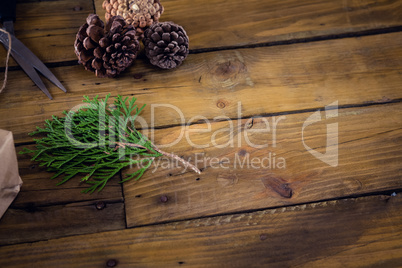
{"x":22,"y":55}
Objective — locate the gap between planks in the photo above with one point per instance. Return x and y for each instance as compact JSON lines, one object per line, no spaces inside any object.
{"x":266,"y":80}
{"x":365,"y":227}
{"x":386,"y":194}
{"x":257,"y":45}
{"x":266,"y":115}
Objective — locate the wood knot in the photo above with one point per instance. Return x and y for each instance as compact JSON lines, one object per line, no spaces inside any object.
{"x":227,"y":69}
{"x":221,"y":104}
{"x":226,"y":74}
{"x":138,"y":76}
{"x":226,"y":180}
{"x":279,"y":185}
{"x":242,"y":152}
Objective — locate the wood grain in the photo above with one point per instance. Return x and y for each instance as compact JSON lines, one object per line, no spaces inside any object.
{"x":362,"y":232}
{"x":30,"y":224}
{"x":43,"y":210}
{"x":239,"y":108}
{"x":261,"y":80}
{"x":216,"y":23}
{"x":257,"y":163}
{"x":48,"y":28}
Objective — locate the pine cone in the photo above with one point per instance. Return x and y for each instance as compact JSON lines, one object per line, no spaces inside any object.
{"x":140,"y":13}
{"x":166,"y":44}
{"x":109,"y":50}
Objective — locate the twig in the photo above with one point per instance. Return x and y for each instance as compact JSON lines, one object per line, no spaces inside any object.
{"x":178,"y":158}
{"x":171,"y":155}
{"x":124,"y":144}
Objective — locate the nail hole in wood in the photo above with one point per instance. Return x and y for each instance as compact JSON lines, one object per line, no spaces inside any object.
{"x":164,"y":198}
{"x":111,"y":263}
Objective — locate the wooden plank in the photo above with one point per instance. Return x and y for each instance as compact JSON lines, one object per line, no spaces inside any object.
{"x":43,"y":210}
{"x":219,"y":23}
{"x":48,"y":28}
{"x":264,"y":80}
{"x":267,"y":162}
{"x":362,"y":232}
{"x":32,"y":224}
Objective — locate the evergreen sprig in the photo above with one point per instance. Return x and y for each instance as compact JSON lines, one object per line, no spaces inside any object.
{"x":96,"y":141}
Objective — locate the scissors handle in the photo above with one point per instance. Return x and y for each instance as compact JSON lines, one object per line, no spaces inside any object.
{"x":7,"y":10}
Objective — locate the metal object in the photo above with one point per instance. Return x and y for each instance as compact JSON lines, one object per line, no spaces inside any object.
{"x":22,"y":55}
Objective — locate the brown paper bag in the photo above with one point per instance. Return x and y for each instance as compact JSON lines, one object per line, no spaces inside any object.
{"x":10,"y":181}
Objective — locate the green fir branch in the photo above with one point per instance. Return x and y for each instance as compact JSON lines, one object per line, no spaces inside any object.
{"x":96,"y":142}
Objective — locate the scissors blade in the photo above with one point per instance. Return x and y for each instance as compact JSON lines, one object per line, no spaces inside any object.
{"x":25,"y":54}
{"x":31,"y":72}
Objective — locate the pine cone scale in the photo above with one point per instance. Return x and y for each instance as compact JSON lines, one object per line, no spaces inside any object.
{"x":166,"y":37}
{"x":98,"y":53}
{"x":97,"y":64}
{"x":155,"y":37}
{"x":85,"y":56}
{"x":95,"y":33}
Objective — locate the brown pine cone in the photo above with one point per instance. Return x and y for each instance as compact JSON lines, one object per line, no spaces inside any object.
{"x":140,"y":13}
{"x":109,"y":50}
{"x":166,"y":44}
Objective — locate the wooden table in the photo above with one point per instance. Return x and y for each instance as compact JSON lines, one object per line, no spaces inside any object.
{"x":292,"y":109}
